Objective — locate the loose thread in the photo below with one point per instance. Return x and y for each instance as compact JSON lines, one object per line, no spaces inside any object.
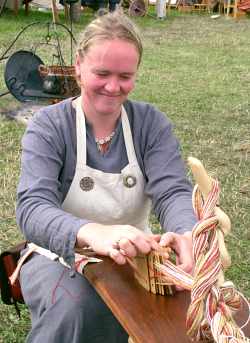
{"x":59,"y":285}
{"x":212,"y":299}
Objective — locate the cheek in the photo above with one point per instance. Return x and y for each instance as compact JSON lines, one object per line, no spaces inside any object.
{"x":91,"y":82}
{"x":128,"y":86}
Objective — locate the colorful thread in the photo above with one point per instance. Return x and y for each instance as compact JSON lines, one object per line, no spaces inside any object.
{"x":213,"y":301}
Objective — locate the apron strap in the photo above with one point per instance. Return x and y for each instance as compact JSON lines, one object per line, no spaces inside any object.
{"x":128,"y":138}
{"x":80,"y":134}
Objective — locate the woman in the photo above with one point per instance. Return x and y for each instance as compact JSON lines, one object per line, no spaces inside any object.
{"x":92,"y":169}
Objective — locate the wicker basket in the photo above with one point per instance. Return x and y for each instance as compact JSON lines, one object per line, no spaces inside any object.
{"x":65,"y":75}
{"x":138,"y":8}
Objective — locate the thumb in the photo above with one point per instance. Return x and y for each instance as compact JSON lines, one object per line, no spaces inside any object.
{"x":168,"y":239}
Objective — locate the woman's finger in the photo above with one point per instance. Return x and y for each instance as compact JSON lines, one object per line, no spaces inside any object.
{"x":140,"y":240}
{"x":127,"y":247}
{"x":143,"y":244}
{"x":116,"y":256}
{"x":155,"y":239}
{"x":168,"y":239}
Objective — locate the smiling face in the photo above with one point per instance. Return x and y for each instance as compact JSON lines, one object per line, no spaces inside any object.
{"x":107,"y":75}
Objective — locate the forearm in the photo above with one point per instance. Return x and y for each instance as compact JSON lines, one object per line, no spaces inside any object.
{"x":49,"y":227}
{"x":177,"y":214}
{"x":167,"y":184}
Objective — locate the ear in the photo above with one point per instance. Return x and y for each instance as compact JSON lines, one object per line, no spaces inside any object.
{"x":78,"y":66}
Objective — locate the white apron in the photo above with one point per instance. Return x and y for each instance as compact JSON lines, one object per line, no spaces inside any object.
{"x":107,"y":198}
{"x":100,"y":197}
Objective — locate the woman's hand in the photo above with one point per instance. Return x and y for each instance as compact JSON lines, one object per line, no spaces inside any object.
{"x":183,"y":248}
{"x":116,"y":241}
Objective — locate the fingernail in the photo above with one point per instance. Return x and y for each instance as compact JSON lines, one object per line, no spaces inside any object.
{"x":123,"y":252}
{"x":154,"y":245}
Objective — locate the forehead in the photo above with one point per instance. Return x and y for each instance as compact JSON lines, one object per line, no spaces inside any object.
{"x":112,"y":53}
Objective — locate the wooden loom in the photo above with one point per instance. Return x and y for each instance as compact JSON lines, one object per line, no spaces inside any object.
{"x":147,"y":275}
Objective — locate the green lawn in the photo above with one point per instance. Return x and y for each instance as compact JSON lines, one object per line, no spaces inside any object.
{"x":195,"y":69}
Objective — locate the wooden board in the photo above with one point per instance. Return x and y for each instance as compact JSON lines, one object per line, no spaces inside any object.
{"x":145,"y":316}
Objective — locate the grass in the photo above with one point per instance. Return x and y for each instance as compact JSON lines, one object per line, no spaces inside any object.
{"x":195,"y":69}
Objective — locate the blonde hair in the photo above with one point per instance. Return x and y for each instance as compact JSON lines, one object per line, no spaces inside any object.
{"x":109,"y":26}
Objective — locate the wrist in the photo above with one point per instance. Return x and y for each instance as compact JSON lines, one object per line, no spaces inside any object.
{"x":188,"y":236}
{"x":86,"y":233}
{"x":187,"y":233}
{"x":83,"y":234}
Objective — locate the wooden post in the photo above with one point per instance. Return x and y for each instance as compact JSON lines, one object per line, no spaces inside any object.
{"x":66,"y":11}
{"x":16,"y":6}
{"x":26,"y":2}
{"x":54,"y":11}
{"x":161,"y":9}
{"x":235,"y":8}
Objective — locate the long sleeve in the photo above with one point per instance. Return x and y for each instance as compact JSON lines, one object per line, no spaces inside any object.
{"x":39,"y":195}
{"x":158,"y":153}
{"x":168,"y":186}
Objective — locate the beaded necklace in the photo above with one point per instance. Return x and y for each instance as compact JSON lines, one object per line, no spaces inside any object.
{"x":103,"y":143}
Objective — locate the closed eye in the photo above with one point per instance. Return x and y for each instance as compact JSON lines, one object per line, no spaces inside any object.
{"x":126,"y":76}
{"x":102,"y":73}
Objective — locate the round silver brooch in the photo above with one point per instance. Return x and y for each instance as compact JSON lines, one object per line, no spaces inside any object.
{"x":129,"y":181}
{"x":87,"y":183}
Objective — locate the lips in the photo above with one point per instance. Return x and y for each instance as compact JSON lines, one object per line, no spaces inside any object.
{"x":111,"y":95}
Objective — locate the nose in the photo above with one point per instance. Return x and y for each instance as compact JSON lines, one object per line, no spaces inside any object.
{"x":112,"y":85}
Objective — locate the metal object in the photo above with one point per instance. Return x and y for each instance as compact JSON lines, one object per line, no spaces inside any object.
{"x":22,"y":77}
{"x":51,"y":84}
{"x":87,"y":183}
{"x":22,"y":74}
{"x":129,"y":181}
